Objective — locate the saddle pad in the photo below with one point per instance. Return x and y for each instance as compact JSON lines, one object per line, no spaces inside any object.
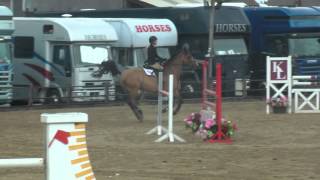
{"x":149,"y":72}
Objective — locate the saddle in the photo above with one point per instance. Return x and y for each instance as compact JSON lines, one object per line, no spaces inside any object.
{"x":149,"y":72}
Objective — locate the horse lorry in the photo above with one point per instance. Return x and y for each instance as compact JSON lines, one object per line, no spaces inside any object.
{"x":6,"y":30}
{"x":131,"y":48}
{"x":284,"y":31}
{"x":54,"y":59}
{"x":232,"y":30}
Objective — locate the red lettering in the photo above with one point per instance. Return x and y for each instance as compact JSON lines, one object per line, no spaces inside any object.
{"x":157,"y":28}
{"x":151,"y":28}
{"x":168,"y":28}
{"x":138,"y":28}
{"x":163,"y":28}
{"x":145,"y":28}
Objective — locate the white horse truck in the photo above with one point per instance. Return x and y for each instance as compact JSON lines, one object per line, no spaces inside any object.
{"x":55,"y":58}
{"x":131,"y":48}
{"x":6,"y":30}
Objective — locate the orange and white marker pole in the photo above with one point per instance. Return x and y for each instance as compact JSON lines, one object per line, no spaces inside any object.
{"x":66,"y":148}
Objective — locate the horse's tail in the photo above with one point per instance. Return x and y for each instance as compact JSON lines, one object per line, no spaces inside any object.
{"x":110,"y":66}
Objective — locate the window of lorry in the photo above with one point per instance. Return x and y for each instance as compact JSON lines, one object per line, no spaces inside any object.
{"x":232,"y":46}
{"x":91,"y":54}
{"x":141,"y":54}
{"x":304,"y":45}
{"x":222,"y":45}
{"x":123,"y":56}
{"x":61,"y":56}
{"x":5,"y":52}
{"x":277,"y":45}
{"x":295,"y":44}
{"x":23,"y":47}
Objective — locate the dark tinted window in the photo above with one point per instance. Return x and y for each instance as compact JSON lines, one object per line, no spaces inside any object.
{"x":61,"y":55}
{"x":23,"y":47}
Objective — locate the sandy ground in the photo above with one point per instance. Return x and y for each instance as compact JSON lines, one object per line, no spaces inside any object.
{"x":279,"y":147}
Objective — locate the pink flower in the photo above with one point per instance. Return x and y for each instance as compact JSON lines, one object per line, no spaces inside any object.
{"x":189,"y":123}
{"x":209,"y":123}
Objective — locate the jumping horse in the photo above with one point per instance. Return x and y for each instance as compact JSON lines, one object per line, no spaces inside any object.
{"x":135,"y":81}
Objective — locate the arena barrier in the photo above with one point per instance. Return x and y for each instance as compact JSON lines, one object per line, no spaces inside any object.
{"x":208,"y":106}
{"x":65,"y":147}
{"x":282,"y":84}
{"x":159,"y":129}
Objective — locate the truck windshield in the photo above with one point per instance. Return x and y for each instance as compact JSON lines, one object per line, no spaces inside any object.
{"x":234,"y":46}
{"x":90,"y":54}
{"x":5,"y":55}
{"x":304,"y":46}
{"x":296,"y":45}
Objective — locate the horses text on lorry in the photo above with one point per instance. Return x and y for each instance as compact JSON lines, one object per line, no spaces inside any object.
{"x":6,"y":30}
{"x":283,"y":31}
{"x":232,"y":29}
{"x":57,"y":56}
{"x":131,"y":48}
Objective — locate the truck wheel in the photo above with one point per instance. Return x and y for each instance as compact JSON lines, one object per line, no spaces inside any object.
{"x":53,"y":97}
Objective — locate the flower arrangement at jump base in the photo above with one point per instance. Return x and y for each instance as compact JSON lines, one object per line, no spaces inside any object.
{"x":278,"y":104}
{"x":205,"y":125}
{"x":278,"y":101}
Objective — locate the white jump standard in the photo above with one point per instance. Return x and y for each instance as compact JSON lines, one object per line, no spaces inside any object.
{"x":66,"y":149}
{"x":280,"y":81}
{"x":159,"y":129}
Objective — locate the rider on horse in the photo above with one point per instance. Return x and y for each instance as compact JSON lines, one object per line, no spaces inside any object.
{"x":154,"y":61}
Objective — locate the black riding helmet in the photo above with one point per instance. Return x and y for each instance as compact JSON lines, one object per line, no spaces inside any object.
{"x":152,"y":39}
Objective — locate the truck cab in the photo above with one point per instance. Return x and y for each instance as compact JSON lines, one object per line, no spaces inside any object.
{"x":284,"y":31}
{"x":6,"y":30}
{"x":54,"y":59}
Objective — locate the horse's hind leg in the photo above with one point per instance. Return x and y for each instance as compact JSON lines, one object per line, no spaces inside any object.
{"x":136,"y":110}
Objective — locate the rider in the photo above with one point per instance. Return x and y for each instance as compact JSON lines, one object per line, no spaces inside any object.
{"x":154,"y":60}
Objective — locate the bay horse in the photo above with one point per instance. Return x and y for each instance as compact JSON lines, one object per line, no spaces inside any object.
{"x":135,"y":81}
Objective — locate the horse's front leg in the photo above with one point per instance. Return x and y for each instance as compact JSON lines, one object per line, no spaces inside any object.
{"x":177,"y":104}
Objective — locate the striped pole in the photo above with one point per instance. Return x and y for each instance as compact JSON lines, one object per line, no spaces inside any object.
{"x":65,"y":148}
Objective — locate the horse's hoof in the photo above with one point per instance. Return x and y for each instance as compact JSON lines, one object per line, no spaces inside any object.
{"x":140,"y":116}
{"x":140,"y":119}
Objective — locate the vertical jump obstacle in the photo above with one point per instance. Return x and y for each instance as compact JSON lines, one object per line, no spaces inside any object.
{"x":219,"y":137}
{"x":65,"y":148}
{"x":159,"y":129}
{"x":282,"y":84}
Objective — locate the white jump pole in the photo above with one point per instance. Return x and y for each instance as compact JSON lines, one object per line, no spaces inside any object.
{"x":22,"y":162}
{"x":66,"y":149}
{"x":159,"y":129}
{"x":170,"y":135}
